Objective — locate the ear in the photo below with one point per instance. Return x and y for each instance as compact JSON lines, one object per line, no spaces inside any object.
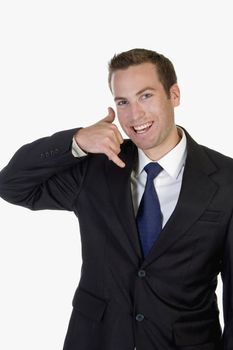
{"x":175,"y":95}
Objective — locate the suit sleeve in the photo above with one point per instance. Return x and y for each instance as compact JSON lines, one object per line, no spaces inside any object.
{"x":227,"y":278}
{"x":44,"y":174}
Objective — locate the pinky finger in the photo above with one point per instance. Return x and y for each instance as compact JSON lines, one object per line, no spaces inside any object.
{"x":114,"y":157}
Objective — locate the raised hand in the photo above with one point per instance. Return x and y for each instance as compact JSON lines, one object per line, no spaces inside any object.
{"x":102,"y":137}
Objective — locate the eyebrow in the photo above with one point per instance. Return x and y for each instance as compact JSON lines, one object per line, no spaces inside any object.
{"x":138,"y":93}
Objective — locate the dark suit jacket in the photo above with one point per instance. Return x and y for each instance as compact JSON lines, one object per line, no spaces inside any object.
{"x":164,"y":302}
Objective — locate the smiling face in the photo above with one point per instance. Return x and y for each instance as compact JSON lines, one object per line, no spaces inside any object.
{"x":145,"y":112}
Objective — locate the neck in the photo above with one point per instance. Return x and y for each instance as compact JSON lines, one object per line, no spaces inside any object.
{"x":161,"y":150}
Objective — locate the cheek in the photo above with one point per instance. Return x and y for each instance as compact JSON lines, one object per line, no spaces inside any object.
{"x":153,"y":109}
{"x":122,"y":118}
{"x":162,"y":113}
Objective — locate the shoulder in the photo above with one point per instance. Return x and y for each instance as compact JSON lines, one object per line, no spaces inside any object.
{"x":218,"y":158}
{"x":209,"y":160}
{"x":224,"y":166}
{"x":198,"y":149}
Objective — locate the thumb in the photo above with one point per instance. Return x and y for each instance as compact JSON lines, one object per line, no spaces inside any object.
{"x":110,"y":117}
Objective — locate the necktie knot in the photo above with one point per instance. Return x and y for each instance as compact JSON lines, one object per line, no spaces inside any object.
{"x":152,"y":169}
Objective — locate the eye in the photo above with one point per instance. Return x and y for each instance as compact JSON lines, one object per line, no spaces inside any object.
{"x":146,"y":96}
{"x":122,"y":103}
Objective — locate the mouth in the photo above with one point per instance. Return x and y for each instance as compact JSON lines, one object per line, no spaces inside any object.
{"x":143,"y":128}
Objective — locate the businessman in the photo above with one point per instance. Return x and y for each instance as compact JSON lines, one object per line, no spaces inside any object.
{"x":155,"y":214}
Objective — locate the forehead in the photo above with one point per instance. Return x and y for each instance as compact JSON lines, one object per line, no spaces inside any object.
{"x":134,"y":79}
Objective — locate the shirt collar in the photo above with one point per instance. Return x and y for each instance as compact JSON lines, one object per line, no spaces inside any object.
{"x":172,"y":162}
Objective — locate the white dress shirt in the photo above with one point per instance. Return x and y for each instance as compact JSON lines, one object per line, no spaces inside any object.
{"x":167,"y":183}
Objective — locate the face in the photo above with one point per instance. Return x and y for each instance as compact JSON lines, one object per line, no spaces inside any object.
{"x":145,"y":112}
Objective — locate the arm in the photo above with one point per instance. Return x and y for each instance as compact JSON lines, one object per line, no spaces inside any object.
{"x":227,"y":278}
{"x":47,"y":174}
{"x":43,"y":174}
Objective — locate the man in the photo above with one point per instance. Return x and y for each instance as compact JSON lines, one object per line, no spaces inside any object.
{"x":152,"y":245}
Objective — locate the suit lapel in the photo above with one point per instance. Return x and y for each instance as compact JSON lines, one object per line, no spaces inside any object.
{"x":119,"y":182}
{"x":197,"y":190}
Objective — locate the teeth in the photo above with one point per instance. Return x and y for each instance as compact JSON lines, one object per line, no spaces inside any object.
{"x":142,"y":127}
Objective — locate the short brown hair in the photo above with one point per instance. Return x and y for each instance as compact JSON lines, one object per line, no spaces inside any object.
{"x":164,"y":66}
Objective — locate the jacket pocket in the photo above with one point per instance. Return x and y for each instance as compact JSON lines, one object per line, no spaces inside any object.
{"x":197,"y":332}
{"x":89,"y":305}
{"x":211,"y":216}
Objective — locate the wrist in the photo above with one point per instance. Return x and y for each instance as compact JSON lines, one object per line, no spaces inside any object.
{"x":76,"y":138}
{"x":77,"y":151}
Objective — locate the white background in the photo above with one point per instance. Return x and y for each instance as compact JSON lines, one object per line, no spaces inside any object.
{"x":53,"y":76}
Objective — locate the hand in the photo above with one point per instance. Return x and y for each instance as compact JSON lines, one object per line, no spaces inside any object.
{"x":102,"y":137}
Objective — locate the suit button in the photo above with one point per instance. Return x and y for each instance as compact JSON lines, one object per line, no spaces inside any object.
{"x":139,"y":317}
{"x":141,"y":273}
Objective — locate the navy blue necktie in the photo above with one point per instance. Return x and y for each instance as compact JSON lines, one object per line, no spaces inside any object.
{"x":149,"y":217}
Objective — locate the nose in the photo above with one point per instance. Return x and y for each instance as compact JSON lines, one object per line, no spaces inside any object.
{"x":137,"y":112}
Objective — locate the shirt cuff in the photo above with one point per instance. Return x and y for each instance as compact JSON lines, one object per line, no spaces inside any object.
{"x":76,"y":150}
